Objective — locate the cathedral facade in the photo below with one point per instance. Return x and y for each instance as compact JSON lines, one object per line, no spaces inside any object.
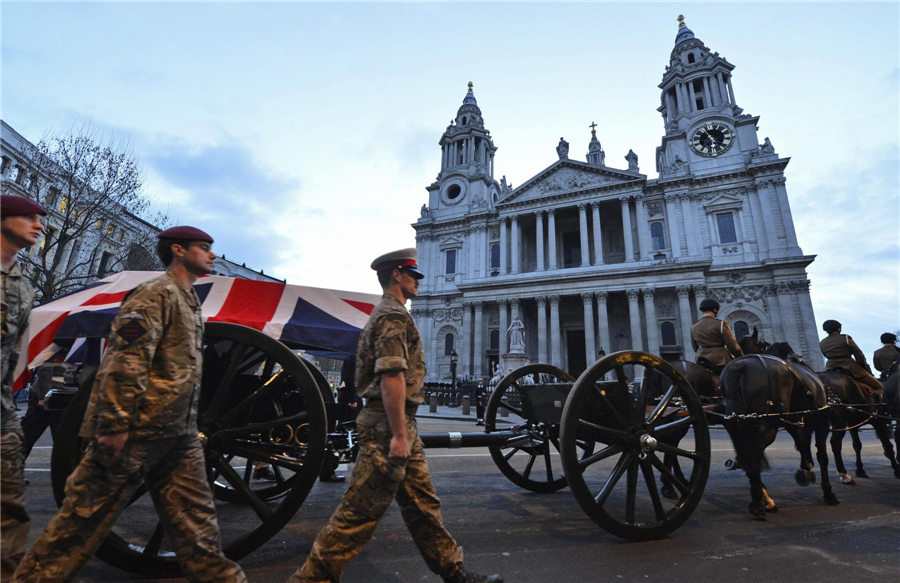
{"x":591,"y":258}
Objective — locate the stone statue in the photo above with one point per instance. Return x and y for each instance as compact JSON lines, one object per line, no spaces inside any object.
{"x":516,"y":335}
{"x":498,"y":375}
{"x":424,"y":212}
{"x":767,"y":148}
{"x":504,"y":187}
{"x":562,"y":149}
{"x":632,"y":160}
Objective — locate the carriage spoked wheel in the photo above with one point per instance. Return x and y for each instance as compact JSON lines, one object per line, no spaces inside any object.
{"x":634,"y":427}
{"x":531,"y":460}
{"x":258,"y":403}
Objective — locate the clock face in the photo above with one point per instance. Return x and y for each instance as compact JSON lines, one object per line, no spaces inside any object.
{"x":712,"y":139}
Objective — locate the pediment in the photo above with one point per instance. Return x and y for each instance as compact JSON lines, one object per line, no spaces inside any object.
{"x":723,"y":201}
{"x":568,"y":176}
{"x":450,"y":241}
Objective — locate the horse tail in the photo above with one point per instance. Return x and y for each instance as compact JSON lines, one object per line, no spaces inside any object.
{"x":744,"y":433}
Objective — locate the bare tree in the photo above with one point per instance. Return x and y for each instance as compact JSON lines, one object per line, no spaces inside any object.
{"x":92,"y":187}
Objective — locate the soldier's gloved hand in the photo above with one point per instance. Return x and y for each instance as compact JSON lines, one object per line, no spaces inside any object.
{"x":399,"y":450}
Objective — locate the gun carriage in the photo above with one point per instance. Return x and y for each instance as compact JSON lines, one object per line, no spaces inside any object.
{"x":601,"y":434}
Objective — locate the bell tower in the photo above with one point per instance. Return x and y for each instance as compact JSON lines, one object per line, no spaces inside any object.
{"x":466,"y":180}
{"x":705,"y":130}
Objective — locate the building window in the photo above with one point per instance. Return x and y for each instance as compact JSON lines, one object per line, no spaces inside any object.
{"x":63,"y":203}
{"x":453,"y":191}
{"x":99,"y":224}
{"x":451,"y":262}
{"x":110,"y":229}
{"x":657,"y":236}
{"x":104,"y":264}
{"x":572,"y":249}
{"x":48,"y":239}
{"x":691,"y":58}
{"x":727,"y":233}
{"x":448,"y":344}
{"x":741,"y":329}
{"x":668,"y":334}
{"x":495,"y":256}
{"x":495,"y":340}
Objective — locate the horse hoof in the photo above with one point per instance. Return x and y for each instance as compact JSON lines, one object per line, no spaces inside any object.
{"x":802,"y":478}
{"x":831,"y":499}
{"x":861,"y":474}
{"x":669,"y":492}
{"x":731,"y":464}
{"x":757,"y":510}
{"x":897,"y":474}
{"x":772,"y":509}
{"x":845,"y":479}
{"x":812,"y":476}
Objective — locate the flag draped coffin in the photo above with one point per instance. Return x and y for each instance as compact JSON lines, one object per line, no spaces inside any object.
{"x":302,"y":317}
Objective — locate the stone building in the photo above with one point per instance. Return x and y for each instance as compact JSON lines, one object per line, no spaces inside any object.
{"x":592,"y":257}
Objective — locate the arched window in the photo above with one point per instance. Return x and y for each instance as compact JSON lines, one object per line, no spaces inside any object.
{"x":495,"y":339}
{"x":448,"y":344}
{"x":658,"y":236}
{"x":691,"y":58}
{"x":495,"y":256}
{"x":741,"y":329}
{"x":668,"y":334}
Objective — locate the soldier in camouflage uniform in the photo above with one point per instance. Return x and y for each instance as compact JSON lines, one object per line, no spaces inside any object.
{"x":142,"y":422}
{"x":390,"y":374}
{"x":21,"y":228}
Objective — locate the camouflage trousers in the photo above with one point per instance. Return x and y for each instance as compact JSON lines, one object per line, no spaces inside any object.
{"x":375,"y":482}
{"x":14,"y":519}
{"x":100,"y":488}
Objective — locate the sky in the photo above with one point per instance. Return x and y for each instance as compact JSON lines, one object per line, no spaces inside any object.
{"x":303,"y":135}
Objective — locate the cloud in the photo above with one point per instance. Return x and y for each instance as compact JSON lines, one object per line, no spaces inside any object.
{"x":223,"y":189}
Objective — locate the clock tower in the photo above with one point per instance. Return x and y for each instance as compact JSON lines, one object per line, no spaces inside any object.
{"x":706,"y":131}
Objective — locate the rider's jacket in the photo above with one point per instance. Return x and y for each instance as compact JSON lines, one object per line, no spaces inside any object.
{"x":713,"y":340}
{"x":841,"y":350}
{"x":884,"y":356}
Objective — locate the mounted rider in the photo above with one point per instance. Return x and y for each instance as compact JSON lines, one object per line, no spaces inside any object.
{"x":712,"y":339}
{"x":885,"y":356}
{"x":844,"y":355}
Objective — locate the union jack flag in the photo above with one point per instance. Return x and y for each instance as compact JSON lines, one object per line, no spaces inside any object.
{"x":317,"y":319}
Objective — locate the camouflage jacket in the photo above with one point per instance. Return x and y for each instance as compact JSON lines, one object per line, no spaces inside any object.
{"x":17,"y":299}
{"x":149,"y":381}
{"x":390,"y":342}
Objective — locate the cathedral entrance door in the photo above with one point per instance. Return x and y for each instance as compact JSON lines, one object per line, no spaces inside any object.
{"x":575,"y":351}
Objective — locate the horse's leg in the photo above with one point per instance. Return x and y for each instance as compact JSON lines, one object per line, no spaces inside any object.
{"x":770,"y":504}
{"x":884,"y":434}
{"x":857,"y":447}
{"x":747,"y":440}
{"x":837,"y":438}
{"x":820,"y":420}
{"x":802,"y":439}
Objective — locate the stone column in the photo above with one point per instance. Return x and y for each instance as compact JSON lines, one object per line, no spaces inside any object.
{"x":603,"y":323}
{"x":598,"y":237}
{"x":685,"y":315}
{"x":788,"y":321}
{"x":590,"y":348}
{"x":472,"y":253}
{"x":786,"y":218}
{"x":762,"y":242}
{"x":642,"y":227}
{"x":464,"y":347}
{"x":503,"y":246}
{"x":551,"y":237}
{"x":515,"y":244}
{"x":555,"y":352}
{"x":731,"y":91}
{"x":714,"y":91}
{"x":539,"y":239}
{"x":679,"y":99}
{"x":672,"y":220}
{"x":585,"y":240}
{"x":479,"y":340}
{"x":485,"y":251}
{"x":813,"y":354}
{"x":543,"y":356}
{"x":765,"y":201}
{"x":626,"y":230}
{"x":692,"y":96}
{"x":722,"y":90}
{"x":706,"y":93}
{"x":634,"y":316}
{"x":690,"y":235}
{"x":652,"y":324}
{"x":776,"y":330}
{"x":701,"y":292}
{"x":503,"y":305}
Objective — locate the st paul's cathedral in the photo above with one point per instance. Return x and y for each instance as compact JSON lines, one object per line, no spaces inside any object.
{"x":589,"y":257}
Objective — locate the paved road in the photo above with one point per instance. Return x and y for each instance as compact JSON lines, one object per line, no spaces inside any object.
{"x":533,"y":538}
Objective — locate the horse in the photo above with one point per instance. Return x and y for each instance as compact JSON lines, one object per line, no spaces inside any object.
{"x":762,"y":393}
{"x":706,"y":385}
{"x":892,"y":395}
{"x":847,"y":391}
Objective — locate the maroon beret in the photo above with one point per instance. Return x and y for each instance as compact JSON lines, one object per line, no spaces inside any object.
{"x":185,"y":233}
{"x":12,"y":205}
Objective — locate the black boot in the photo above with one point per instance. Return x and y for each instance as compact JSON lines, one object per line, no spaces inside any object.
{"x":462,"y":576}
